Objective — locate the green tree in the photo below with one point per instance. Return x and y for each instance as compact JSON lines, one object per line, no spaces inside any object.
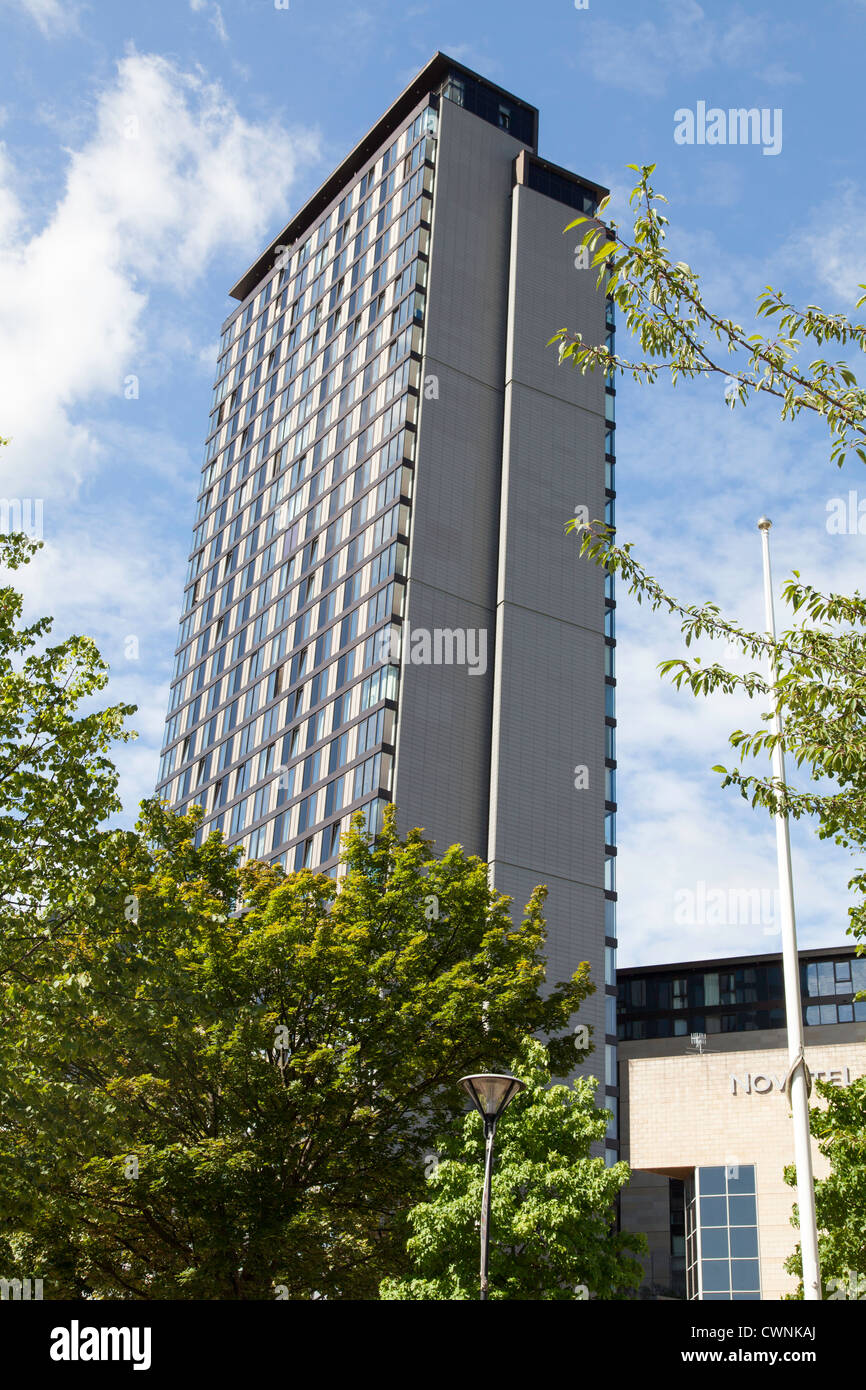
{"x":214,"y":1079}
{"x":840,"y":1198}
{"x":819,"y":685}
{"x":227,"y":1086}
{"x":553,"y":1219}
{"x":58,"y":785}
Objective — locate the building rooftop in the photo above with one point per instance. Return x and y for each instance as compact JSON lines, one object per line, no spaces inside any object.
{"x":723,"y":962}
{"x":738,"y":994}
{"x":430,"y":79}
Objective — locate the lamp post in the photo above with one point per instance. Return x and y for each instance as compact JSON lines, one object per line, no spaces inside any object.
{"x":490,"y":1094}
{"x":797,"y":1081}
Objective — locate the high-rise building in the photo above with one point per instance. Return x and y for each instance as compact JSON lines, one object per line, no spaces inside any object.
{"x":382,"y":602}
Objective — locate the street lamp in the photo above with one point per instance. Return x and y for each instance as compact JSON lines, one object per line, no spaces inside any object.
{"x":490,"y":1094}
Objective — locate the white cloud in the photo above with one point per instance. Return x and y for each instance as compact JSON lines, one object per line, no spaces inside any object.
{"x":695,"y":477}
{"x":170,"y":177}
{"x":215,"y":14}
{"x":780,"y":75}
{"x":698,"y":476}
{"x":683,"y":40}
{"x":105,"y":584}
{"x":54,"y":17}
{"x":219,"y":24}
{"x":208,"y":356}
{"x":832,"y":247}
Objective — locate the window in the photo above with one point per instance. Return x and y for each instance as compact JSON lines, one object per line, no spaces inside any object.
{"x":261,"y":802}
{"x":266,"y":762}
{"x":366,"y":777}
{"x":331,"y":841}
{"x":722,"y":1255}
{"x":258,"y":846}
{"x":238,"y":818}
{"x":610,"y":965}
{"x":842,"y":970}
{"x":310,"y":771}
{"x":267,"y":491}
{"x":820,"y":978}
{"x":334,"y":796}
{"x":610,"y":873}
{"x":610,"y":1015}
{"x":339,"y":751}
{"x":611,"y":1103}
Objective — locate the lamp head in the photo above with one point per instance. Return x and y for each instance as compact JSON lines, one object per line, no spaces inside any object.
{"x":490,"y":1093}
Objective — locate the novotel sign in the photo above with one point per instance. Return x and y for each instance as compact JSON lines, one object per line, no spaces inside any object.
{"x":761,"y":1084}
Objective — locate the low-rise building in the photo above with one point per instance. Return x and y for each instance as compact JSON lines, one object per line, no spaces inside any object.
{"x":704,"y":1115}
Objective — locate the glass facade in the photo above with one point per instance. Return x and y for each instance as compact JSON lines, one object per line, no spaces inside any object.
{"x":737,"y":996}
{"x":285,"y":693}
{"x":721,"y":1235}
{"x":493,"y":106}
{"x":564,"y":188}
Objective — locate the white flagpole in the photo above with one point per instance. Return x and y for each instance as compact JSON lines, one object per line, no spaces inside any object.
{"x":797,"y":1083}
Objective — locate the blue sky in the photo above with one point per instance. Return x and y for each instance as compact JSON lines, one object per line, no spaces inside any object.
{"x":148,"y":152}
